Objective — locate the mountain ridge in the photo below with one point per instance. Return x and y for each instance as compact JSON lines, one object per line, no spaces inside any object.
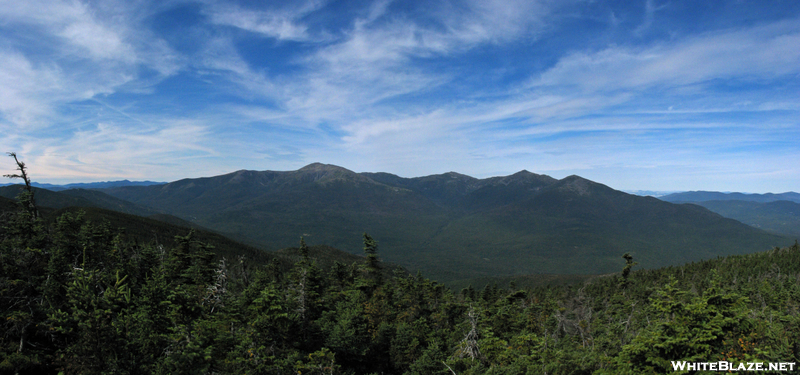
{"x":454,"y":226}
{"x":89,"y":185}
{"x":702,"y":196}
{"x":780,"y":217}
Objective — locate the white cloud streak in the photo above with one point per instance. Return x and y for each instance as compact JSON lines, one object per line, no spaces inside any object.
{"x":373,"y":62}
{"x":108,"y":149}
{"x":766,"y":52}
{"x":281,"y":24}
{"x":76,"y":53}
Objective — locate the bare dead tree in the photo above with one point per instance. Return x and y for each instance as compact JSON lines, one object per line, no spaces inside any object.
{"x":469,"y":345}
{"x":28,"y":201}
{"x":216,"y":290}
{"x":300,"y":289}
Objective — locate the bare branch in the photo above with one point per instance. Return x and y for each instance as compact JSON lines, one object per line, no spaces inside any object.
{"x":448,"y":367}
{"x":23,"y":174}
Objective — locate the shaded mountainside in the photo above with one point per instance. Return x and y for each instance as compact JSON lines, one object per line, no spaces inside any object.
{"x":46,"y":198}
{"x":147,"y":230}
{"x":453,"y":226}
{"x":326,"y":204}
{"x":103,"y":200}
{"x":7,"y":204}
{"x":79,"y":198}
{"x":576,"y":226}
{"x":162,"y":229}
{"x":142,"y":229}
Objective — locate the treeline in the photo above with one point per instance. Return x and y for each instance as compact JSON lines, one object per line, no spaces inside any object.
{"x":78,"y":297}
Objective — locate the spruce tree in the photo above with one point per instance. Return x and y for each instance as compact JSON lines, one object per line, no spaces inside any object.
{"x":373,"y":264}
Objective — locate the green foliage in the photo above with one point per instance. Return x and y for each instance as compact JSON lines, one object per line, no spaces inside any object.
{"x":92,"y":323}
{"x":688,"y":328}
{"x":372,"y":264}
{"x":81,"y":297}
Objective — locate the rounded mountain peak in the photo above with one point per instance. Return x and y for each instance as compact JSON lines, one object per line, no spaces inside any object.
{"x":524,"y":177}
{"x":582,"y":186}
{"x":325,"y":173}
{"x":319,"y":167}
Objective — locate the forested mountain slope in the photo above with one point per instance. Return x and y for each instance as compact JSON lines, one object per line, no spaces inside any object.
{"x":163,"y":230}
{"x":82,"y":298}
{"x":577,"y":226}
{"x":781,"y":217}
{"x":453,"y":226}
{"x":79,"y":198}
{"x":775,"y":213}
{"x":7,"y":204}
{"x":46,"y":198}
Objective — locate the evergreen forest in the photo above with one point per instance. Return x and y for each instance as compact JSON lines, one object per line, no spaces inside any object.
{"x":80,"y":296}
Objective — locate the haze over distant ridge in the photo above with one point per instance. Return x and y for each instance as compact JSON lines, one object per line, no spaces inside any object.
{"x":702,"y":196}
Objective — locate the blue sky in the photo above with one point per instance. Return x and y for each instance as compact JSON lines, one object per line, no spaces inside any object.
{"x":658,"y":95}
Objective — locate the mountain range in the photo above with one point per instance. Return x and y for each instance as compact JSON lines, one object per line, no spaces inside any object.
{"x":90,"y":185}
{"x":776,"y":213}
{"x":704,"y":196}
{"x":452,"y":226}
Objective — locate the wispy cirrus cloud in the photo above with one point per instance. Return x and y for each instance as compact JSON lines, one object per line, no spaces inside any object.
{"x":109,"y":149}
{"x":373,"y":64}
{"x":72,"y":23}
{"x":278,"y":22}
{"x":755,"y":53}
{"x":72,"y":52}
{"x":370,"y":62}
{"x":650,"y":10}
{"x":27,"y":89}
{"x":497,"y":21}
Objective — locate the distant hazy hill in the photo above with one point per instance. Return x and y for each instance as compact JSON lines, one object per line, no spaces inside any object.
{"x":453,"y":226}
{"x":777,"y":213}
{"x":782,"y":217}
{"x":702,"y":196}
{"x":90,"y":185}
{"x":652,"y":193}
{"x":96,"y":185}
